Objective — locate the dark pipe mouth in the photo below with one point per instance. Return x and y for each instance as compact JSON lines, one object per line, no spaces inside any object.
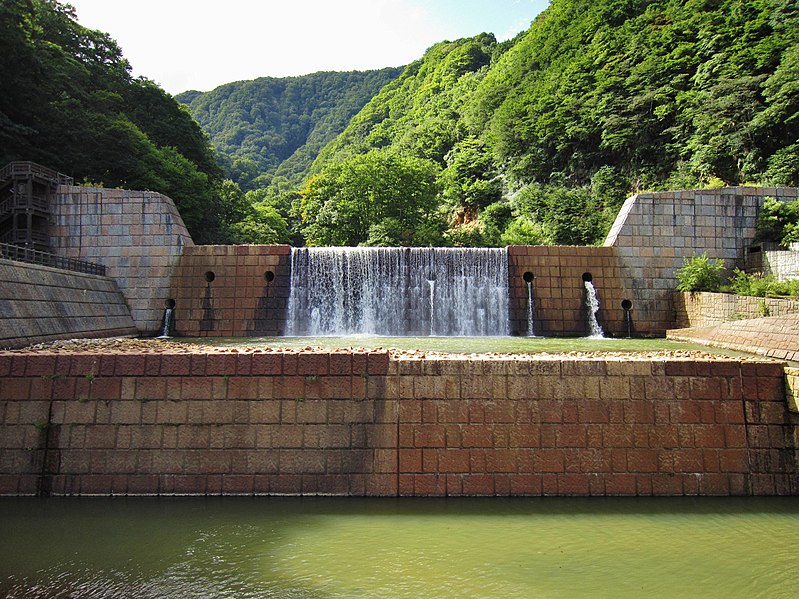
{"x":587,"y":277}
{"x":169,"y":304}
{"x":269,"y":276}
{"x":626,"y":305}
{"x":528,"y":277}
{"x":210,"y":276}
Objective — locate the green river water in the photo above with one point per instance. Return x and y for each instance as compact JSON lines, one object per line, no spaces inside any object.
{"x":346,"y":547}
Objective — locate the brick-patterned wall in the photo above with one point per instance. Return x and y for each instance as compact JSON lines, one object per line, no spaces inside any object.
{"x":775,"y":336}
{"x":211,"y":424}
{"x":655,"y":232}
{"x":792,"y":389}
{"x":39,"y":304}
{"x":248,"y":293}
{"x":137,"y":235}
{"x":559,"y":290}
{"x":361,"y":424}
{"x":702,"y":309}
{"x":594,"y":427}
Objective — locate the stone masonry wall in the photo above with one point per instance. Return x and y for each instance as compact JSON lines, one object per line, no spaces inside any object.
{"x":559,"y":291}
{"x":232,"y":290}
{"x":138,"y":235}
{"x":655,"y":232}
{"x":783,"y":265}
{"x":38,"y":304}
{"x":702,"y":309}
{"x":362,"y":424}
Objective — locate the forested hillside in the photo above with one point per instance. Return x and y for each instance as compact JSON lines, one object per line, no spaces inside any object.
{"x":68,"y":101}
{"x":539,"y":140}
{"x":269,"y":130}
{"x":534,"y":140}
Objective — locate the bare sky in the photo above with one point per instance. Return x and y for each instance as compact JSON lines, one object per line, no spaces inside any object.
{"x":201,"y":44}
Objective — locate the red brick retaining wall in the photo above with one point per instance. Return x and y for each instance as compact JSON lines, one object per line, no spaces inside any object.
{"x":231,"y":290}
{"x":362,"y":424}
{"x":559,"y":290}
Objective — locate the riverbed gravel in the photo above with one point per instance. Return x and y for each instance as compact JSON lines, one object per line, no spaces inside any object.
{"x":125,"y":345}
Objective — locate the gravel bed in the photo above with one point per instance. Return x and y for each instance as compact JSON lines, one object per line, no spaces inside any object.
{"x":124,"y":345}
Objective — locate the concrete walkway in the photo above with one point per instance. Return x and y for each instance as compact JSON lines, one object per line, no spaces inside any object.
{"x":774,"y":337}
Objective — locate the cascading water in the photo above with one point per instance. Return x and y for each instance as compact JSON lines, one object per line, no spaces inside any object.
{"x":168,"y":324}
{"x":592,"y":307}
{"x":398,"y":292}
{"x":530,"y":311}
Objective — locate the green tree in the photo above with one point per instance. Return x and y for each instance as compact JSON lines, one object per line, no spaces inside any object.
{"x":700,"y":274}
{"x":70,"y":103}
{"x":343,"y":204}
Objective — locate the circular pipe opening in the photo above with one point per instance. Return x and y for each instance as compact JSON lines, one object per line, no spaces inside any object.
{"x":269,"y":276}
{"x":626,"y":305}
{"x":210,"y":276}
{"x":528,"y":277}
{"x":169,"y":304}
{"x":587,"y":278}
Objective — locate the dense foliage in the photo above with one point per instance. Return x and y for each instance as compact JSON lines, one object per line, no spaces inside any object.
{"x":700,"y":274}
{"x":378,"y":198}
{"x":268,"y":131}
{"x":68,"y":101}
{"x":534,"y":140}
{"x":758,"y":285}
{"x":778,"y":222}
{"x":540,"y":138}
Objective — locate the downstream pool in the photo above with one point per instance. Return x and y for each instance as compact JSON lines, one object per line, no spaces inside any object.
{"x":333,"y":548}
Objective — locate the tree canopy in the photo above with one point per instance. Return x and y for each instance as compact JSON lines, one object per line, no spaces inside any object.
{"x":537,"y":139}
{"x":269,"y":130}
{"x":70,"y":103}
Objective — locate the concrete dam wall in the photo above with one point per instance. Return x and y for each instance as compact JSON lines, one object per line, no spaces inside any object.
{"x":365,"y":423}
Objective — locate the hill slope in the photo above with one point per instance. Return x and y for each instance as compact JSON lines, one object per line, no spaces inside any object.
{"x":540,"y":139}
{"x":69,"y":102}
{"x":269,"y":130}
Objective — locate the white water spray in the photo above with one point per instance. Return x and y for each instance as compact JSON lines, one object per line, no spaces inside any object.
{"x":399,"y":292}
{"x":592,"y":307}
{"x":530,"y":311}
{"x":168,"y":323}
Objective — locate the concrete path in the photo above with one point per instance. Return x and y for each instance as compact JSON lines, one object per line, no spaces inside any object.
{"x":775,"y":337}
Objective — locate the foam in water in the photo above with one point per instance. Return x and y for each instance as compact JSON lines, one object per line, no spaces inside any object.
{"x":592,"y":307}
{"x":399,"y":292}
{"x":168,"y":324}
{"x":530,"y":311}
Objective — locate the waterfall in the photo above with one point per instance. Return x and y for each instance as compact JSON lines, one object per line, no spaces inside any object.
{"x":168,"y":324}
{"x":432,"y":307}
{"x":592,"y":307}
{"x":530,"y":311}
{"x":398,"y":292}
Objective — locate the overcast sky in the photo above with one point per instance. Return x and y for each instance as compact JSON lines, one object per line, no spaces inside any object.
{"x":201,"y":44}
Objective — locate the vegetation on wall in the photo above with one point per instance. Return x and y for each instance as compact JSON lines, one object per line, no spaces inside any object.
{"x":699,"y":273}
{"x":778,"y":222}
{"x":759,"y":285}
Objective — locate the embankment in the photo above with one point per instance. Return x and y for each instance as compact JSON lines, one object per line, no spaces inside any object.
{"x":367,"y":423}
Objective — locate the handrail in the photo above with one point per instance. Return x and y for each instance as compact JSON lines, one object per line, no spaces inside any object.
{"x":17,"y":202}
{"x":25,"y":168}
{"x":29,"y":255}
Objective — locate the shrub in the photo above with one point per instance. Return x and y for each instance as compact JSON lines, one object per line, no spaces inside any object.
{"x":757,"y":285}
{"x":700,"y":274}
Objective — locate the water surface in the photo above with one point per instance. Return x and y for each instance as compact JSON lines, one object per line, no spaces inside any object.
{"x":332,"y":547}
